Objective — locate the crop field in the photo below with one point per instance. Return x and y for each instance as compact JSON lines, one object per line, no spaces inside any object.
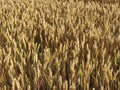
{"x":59,"y":45}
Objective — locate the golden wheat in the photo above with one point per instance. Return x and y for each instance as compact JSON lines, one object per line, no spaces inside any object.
{"x":59,"y":45}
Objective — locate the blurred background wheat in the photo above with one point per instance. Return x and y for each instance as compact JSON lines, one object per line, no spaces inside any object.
{"x":59,"y":45}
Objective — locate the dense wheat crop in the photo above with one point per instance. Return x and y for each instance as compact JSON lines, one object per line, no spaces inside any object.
{"x":59,"y":45}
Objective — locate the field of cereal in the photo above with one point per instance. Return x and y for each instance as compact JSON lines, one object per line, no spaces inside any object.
{"x":59,"y":45}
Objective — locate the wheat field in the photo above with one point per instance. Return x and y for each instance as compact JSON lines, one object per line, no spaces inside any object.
{"x":59,"y":45}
